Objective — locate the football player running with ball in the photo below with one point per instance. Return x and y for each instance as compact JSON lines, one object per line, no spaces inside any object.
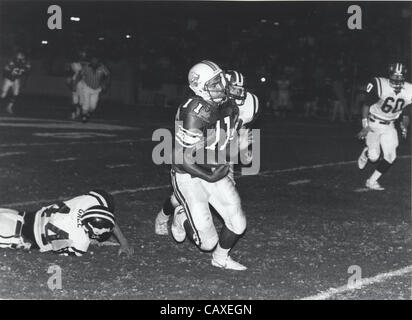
{"x":248,"y":105}
{"x":195,"y":185}
{"x":65,"y":228}
{"x":387,"y":99}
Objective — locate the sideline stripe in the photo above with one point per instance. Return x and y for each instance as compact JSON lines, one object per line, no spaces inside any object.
{"x":298,"y":182}
{"x":6,"y":154}
{"x":143,"y":189}
{"x":113,"y":166}
{"x":49,"y":201}
{"x":361,"y":284}
{"x":36,"y":144}
{"x":316,"y":166}
{"x":64,"y":159}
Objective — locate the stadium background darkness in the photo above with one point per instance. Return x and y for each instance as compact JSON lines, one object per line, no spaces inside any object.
{"x":260,"y":39}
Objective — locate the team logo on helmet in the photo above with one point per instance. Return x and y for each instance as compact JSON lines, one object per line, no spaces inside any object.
{"x":193,"y":79}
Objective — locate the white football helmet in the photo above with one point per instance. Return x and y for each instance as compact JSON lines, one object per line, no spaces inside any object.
{"x":98,"y":222}
{"x":235,"y":88}
{"x":206,"y":79}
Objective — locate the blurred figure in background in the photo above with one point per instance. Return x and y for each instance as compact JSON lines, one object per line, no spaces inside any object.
{"x":14,"y":73}
{"x":95,"y":79}
{"x":74,"y":83}
{"x":283,"y":96}
{"x":338,"y":101}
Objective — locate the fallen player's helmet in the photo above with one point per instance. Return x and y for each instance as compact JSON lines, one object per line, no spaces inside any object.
{"x":99,"y":223}
{"x":104,"y":198}
{"x":206,"y":79}
{"x":397,"y":75}
{"x":236,"y":82}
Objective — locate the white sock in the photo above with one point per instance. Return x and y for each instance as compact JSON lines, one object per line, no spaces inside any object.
{"x":162,"y":215}
{"x":375,"y":176}
{"x":220,"y":253}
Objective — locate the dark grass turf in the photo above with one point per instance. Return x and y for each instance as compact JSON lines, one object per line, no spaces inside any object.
{"x":301,"y":238}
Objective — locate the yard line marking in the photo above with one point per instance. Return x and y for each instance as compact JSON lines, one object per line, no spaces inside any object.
{"x":362,"y":283}
{"x":297,"y":182}
{"x":362,"y":190}
{"x":49,"y":201}
{"x":113,"y":166}
{"x":36,"y":144}
{"x":306,"y":137}
{"x":142,"y":189}
{"x":64,"y":159}
{"x":315,"y":166}
{"x":6,"y":154}
{"x":165,"y":186}
{"x":40,"y":123}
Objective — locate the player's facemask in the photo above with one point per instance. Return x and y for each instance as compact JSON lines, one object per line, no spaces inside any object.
{"x":216,"y":88}
{"x":237,"y":93}
{"x":100,"y":235}
{"x":396,"y":81}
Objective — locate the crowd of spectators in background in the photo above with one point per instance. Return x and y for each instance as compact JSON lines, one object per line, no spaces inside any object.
{"x":321,"y":73}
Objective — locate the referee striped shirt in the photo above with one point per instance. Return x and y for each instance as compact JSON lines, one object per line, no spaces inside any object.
{"x":94,"y":78}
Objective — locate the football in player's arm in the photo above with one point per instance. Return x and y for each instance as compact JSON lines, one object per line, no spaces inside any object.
{"x":190,"y":140}
{"x":248,"y":105}
{"x":65,"y":228}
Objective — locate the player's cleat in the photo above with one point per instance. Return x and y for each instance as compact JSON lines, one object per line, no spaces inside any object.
{"x":374,"y":185}
{"x":161,"y":224}
{"x":178,"y":230}
{"x":363,"y":159}
{"x":227,"y":263}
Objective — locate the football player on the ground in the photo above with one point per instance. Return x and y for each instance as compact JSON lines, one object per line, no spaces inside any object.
{"x":13,"y":73}
{"x":387,"y":98}
{"x":194,"y":185}
{"x":248,"y":104}
{"x":66,"y":227}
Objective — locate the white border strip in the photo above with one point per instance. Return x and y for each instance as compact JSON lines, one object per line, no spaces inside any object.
{"x":361,"y":284}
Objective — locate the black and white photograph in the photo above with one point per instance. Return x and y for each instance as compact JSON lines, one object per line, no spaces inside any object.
{"x":220,"y":152}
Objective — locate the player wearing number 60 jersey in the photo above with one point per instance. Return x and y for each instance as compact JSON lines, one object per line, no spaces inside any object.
{"x":386,"y":101}
{"x":66,"y":227}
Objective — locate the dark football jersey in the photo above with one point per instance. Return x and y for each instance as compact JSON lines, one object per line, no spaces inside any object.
{"x":200,"y":125}
{"x":16,"y":69}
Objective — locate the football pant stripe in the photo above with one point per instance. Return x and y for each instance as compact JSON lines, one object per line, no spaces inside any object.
{"x":183,"y":202}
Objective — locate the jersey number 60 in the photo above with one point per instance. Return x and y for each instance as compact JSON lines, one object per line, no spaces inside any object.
{"x":388,"y":105}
